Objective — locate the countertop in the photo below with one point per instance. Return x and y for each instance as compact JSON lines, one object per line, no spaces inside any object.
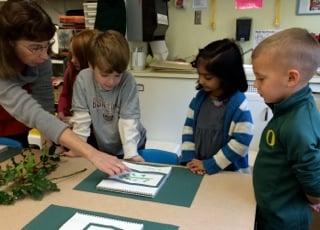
{"x":149,"y":72}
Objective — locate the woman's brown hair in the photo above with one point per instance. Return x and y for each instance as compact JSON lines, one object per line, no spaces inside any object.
{"x":21,"y":19}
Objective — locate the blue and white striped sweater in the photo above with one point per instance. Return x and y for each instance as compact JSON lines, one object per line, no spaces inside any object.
{"x":237,"y":135}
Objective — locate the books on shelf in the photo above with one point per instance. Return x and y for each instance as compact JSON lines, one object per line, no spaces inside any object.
{"x":142,"y":180}
{"x":86,"y":221}
{"x":72,"y":22}
{"x":71,"y":19}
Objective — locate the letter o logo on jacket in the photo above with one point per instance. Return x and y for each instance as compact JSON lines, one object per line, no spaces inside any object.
{"x":271,"y":138}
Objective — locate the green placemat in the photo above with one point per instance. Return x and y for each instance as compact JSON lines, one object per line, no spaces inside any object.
{"x":179,"y":189}
{"x":55,"y":216}
{"x":10,"y":152}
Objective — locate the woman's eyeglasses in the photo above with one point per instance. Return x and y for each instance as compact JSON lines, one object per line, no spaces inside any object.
{"x":37,"y":48}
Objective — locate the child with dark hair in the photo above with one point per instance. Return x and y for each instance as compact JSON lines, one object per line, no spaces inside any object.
{"x":218,"y":127}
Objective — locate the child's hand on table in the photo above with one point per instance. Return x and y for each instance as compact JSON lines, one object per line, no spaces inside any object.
{"x":315,"y":207}
{"x":196,"y":166}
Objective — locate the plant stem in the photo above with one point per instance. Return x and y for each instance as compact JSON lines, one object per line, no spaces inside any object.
{"x":69,"y":175}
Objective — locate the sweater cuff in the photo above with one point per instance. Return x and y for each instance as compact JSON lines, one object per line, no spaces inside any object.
{"x":130,"y":150}
{"x":210,"y":166}
{"x":186,"y":156}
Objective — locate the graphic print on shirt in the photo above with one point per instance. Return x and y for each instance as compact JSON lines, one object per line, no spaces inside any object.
{"x":109,"y":109}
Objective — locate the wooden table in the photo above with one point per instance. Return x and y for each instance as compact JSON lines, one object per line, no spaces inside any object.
{"x":223,"y":201}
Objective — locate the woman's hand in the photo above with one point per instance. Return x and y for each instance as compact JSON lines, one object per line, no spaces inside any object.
{"x":71,"y":154}
{"x":103,"y":161}
{"x":108,"y":163}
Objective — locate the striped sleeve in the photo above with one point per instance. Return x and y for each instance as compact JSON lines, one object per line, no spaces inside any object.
{"x":188,"y":146}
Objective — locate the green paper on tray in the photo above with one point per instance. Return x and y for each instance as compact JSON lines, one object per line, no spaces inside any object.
{"x":179,"y":188}
{"x":53,"y":217}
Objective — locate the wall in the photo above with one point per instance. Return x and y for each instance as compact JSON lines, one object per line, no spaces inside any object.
{"x":184,"y":38}
{"x":58,"y":7}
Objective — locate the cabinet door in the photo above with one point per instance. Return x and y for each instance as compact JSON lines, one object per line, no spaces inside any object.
{"x":261,"y":114}
{"x":164,"y":103}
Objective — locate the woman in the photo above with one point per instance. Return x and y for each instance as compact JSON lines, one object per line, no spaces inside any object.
{"x":26,"y":33}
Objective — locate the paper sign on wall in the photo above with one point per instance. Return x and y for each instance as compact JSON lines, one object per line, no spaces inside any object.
{"x":200,"y":4}
{"x":248,"y":4}
{"x":260,"y":35}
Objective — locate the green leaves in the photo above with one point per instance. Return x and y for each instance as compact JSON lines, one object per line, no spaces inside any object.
{"x":28,"y":177}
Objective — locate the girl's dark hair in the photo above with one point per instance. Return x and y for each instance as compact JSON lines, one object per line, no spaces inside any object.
{"x":223,"y":59}
{"x":21,"y":19}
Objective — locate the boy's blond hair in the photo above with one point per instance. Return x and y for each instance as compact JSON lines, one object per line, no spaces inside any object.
{"x":109,"y":51}
{"x":293,"y":48}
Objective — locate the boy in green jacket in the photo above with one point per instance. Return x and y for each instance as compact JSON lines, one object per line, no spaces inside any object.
{"x":286,"y":174}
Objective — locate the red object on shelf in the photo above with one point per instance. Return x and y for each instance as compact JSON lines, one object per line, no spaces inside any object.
{"x":71,"y":19}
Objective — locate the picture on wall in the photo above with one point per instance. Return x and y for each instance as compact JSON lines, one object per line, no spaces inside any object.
{"x":308,"y":7}
{"x":248,"y":4}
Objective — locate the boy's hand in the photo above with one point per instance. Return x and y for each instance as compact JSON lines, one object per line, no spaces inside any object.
{"x":196,"y":166}
{"x":315,"y":207}
{"x":314,"y":202}
{"x":136,"y":159}
{"x":201,"y":172}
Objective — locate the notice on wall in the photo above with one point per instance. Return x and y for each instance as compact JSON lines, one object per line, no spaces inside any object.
{"x":200,"y":4}
{"x":260,"y":35}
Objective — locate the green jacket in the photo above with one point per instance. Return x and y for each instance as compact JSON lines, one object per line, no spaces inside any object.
{"x":288,"y":164}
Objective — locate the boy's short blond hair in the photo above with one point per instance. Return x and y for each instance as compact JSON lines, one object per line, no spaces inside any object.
{"x":293,"y":48}
{"x":109,"y":51}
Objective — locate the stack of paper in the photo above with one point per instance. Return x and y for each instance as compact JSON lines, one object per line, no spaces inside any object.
{"x":85,"y":221}
{"x":142,"y":180}
{"x":172,"y":66}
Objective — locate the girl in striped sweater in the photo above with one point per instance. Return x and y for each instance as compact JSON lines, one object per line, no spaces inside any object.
{"x":218,"y":127}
